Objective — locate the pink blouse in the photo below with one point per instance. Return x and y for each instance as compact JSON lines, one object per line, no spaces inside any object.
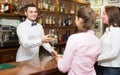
{"x":80,"y":55}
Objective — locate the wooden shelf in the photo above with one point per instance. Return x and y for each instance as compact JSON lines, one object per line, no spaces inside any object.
{"x":66,"y":13}
{"x":46,"y":11}
{"x":60,"y":26}
{"x":10,"y":15}
{"x":82,"y":2}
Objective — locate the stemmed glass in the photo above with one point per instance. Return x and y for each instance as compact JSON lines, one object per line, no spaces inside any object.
{"x":52,"y":35}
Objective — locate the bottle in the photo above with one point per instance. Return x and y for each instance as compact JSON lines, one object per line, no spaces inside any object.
{"x":1,"y":8}
{"x":11,"y":7}
{"x":48,"y":5}
{"x":6,"y":7}
{"x":57,"y":37}
{"x":68,"y":21}
{"x":41,"y":20}
{"x":60,"y":22}
{"x":47,"y":21}
{"x":44,"y":5}
{"x":16,"y":9}
{"x":40,"y":5}
{"x":59,"y":6}
{"x":63,"y":22}
{"x":50,"y":21}
{"x":53,"y":20}
{"x":66,"y":35}
{"x":53,"y":7}
{"x":62,"y":8}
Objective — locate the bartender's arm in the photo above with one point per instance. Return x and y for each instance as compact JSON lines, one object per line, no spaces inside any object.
{"x":54,"y":53}
{"x":46,"y":39}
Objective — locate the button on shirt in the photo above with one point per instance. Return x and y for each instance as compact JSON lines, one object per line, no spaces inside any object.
{"x":110,"y":56}
{"x":80,"y":54}
{"x":30,"y":40}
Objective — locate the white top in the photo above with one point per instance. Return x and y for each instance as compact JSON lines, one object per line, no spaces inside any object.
{"x":110,"y":56}
{"x":30,"y":40}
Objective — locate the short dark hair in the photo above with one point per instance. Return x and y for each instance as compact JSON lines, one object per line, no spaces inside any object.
{"x":88,"y":16}
{"x":28,"y":5}
{"x":113,"y":13}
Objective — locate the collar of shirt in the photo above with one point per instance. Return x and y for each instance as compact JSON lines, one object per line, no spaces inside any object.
{"x":32,"y":23}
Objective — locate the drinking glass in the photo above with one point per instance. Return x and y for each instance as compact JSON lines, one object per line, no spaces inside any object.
{"x":52,"y":35}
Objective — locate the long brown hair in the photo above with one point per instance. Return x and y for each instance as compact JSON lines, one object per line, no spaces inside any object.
{"x":88,"y":16}
{"x":113,"y":14}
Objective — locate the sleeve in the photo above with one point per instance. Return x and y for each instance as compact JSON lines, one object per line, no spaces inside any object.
{"x":115,"y":48}
{"x":24,"y":40}
{"x":64,"y":64}
{"x":46,"y":46}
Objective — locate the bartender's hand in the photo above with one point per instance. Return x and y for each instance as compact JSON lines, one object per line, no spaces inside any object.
{"x":54,"y":53}
{"x":47,"y":39}
{"x":57,"y":57}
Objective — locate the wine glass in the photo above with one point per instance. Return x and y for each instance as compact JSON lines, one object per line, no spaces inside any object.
{"x":52,"y":35}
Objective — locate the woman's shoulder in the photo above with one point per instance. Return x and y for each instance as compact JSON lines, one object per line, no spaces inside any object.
{"x":77,"y":36}
{"x":115,"y":29}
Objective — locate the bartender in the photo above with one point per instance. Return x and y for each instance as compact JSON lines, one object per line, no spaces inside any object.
{"x":31,"y":36}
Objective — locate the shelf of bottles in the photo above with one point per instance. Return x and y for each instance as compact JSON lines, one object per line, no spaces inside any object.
{"x":13,"y":7}
{"x":10,"y":9}
{"x":49,"y":20}
{"x":8,"y":6}
{"x":47,"y":5}
{"x":55,"y":13}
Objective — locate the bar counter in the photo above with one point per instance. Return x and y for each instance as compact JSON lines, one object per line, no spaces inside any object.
{"x":46,"y":65}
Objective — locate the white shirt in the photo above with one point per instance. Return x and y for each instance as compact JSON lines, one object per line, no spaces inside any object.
{"x":30,"y":40}
{"x":110,"y":56}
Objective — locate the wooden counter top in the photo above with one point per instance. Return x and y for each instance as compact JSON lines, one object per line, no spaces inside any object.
{"x":43,"y":66}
